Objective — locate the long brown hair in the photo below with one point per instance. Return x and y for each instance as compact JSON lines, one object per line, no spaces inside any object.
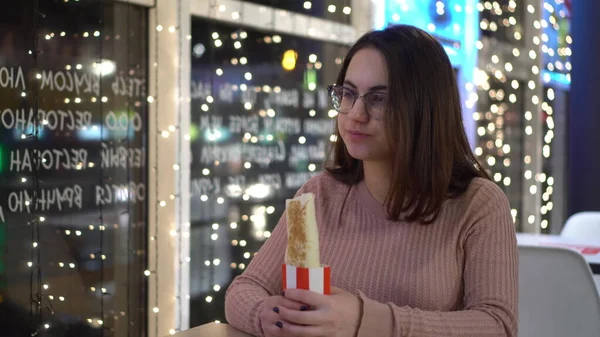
{"x":431,"y":157}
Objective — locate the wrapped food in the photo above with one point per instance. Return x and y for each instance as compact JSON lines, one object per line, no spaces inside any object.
{"x":303,"y":233}
{"x":302,"y":268}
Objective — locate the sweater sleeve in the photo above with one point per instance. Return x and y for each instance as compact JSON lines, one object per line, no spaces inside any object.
{"x":261,"y":279}
{"x":490,"y":287}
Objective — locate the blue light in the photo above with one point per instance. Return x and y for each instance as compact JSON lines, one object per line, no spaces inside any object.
{"x":455,"y":23}
{"x":556,"y":78}
{"x":444,"y":19}
{"x":19,"y":132}
{"x":556,"y":27}
{"x":94,"y":133}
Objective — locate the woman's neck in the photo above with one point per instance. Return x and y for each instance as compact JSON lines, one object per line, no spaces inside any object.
{"x":377,"y":179}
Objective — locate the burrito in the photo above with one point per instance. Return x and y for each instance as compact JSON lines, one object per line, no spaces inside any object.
{"x":303,"y":234}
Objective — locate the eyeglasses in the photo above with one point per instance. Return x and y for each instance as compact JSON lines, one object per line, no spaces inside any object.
{"x":343,"y":99}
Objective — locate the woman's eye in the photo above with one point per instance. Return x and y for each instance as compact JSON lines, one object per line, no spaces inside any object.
{"x":377,"y":99}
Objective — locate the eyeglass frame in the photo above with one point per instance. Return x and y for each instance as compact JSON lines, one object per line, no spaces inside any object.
{"x":332,"y":87}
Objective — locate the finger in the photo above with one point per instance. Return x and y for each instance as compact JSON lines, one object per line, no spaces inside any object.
{"x":305,"y":296}
{"x":293,"y":305}
{"x":301,"y":317}
{"x":271,"y":323}
{"x":280,"y":301}
{"x":295,"y":330}
{"x":336,"y":291}
{"x":273,"y":331}
{"x":271,"y":316}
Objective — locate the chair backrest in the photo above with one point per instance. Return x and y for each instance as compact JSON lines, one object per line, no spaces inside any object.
{"x":557,"y":295}
{"x":582,"y":225}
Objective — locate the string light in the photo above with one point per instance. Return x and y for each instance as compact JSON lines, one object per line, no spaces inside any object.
{"x":498,"y":99}
{"x":36,"y":295}
{"x":556,"y":65}
{"x":171,"y":143}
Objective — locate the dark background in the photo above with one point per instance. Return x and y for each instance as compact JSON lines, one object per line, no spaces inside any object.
{"x":584,"y":119}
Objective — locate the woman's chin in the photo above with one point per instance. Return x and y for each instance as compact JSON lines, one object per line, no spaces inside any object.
{"x":360,"y":155}
{"x":368,"y":156}
{"x":365,"y":151}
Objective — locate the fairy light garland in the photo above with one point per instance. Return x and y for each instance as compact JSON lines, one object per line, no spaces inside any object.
{"x":154,"y":239}
{"x":168,"y":271}
{"x":36,"y":296}
{"x":555,"y":25}
{"x":509,"y":76}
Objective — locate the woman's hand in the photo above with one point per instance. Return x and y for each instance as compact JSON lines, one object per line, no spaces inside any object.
{"x":270,"y":321}
{"x":335,"y":315}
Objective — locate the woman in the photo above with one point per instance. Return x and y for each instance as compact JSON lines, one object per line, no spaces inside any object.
{"x":419,"y":240}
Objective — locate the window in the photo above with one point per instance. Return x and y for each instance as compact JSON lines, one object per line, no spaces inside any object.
{"x":261,"y":126}
{"x":88,"y":232}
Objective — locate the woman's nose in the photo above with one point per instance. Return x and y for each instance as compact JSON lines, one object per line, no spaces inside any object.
{"x":359,"y":112}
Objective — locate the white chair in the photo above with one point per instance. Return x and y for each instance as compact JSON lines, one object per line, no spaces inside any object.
{"x":557,"y":296}
{"x":584,"y":225}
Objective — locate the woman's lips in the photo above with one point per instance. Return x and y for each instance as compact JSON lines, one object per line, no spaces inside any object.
{"x":356,"y":135}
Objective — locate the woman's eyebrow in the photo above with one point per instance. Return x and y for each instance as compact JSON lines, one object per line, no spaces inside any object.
{"x":373,"y":88}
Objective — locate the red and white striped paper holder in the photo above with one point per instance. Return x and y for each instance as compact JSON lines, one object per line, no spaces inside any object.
{"x":313,"y":279}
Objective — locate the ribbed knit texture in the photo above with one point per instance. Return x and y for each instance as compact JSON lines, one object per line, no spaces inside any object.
{"x":454,"y":277}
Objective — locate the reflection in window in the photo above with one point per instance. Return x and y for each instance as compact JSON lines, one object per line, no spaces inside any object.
{"x":261,"y":126}
{"x":80,"y":253}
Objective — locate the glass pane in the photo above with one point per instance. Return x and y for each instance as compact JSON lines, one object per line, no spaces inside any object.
{"x":73,"y":223}
{"x":261,"y":126}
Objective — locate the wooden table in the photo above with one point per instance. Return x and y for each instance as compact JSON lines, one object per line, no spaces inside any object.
{"x":212,"y":330}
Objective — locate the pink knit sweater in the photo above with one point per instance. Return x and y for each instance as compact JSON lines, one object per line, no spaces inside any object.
{"x":455,"y":277}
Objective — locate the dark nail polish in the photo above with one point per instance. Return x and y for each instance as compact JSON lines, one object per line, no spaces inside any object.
{"x":279,"y":325}
{"x":283,"y":293}
{"x":276,"y":309}
{"x":303,"y":308}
